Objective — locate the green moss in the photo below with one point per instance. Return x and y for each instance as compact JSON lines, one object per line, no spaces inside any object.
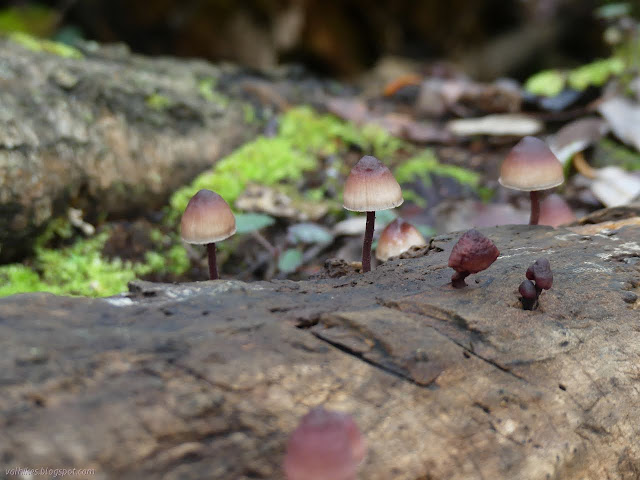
{"x":328,"y":135}
{"x":264,"y":160}
{"x":423,"y":165}
{"x":40,"y":45}
{"x":207,"y":90}
{"x":249,"y":114}
{"x":76,"y":270}
{"x":81,"y":269}
{"x":158,"y":102}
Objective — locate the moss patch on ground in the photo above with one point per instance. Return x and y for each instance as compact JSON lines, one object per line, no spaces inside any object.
{"x":82,"y":269}
{"x":41,"y":45}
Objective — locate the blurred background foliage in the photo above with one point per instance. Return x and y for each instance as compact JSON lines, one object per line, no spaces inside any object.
{"x":337,"y":38}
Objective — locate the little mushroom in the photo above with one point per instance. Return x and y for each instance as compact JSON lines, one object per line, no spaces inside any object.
{"x":370,"y":187}
{"x":207,"y":220}
{"x":540,"y":273}
{"x":531,"y":166}
{"x":473,"y":253}
{"x":326,"y":445}
{"x":398,"y":237}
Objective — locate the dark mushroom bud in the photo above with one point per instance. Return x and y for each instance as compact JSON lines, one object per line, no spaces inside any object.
{"x":531,"y":166}
{"x":325,"y":445}
{"x":370,"y":187}
{"x":473,"y":253}
{"x":207,"y":220}
{"x":529,"y":294}
{"x":398,"y":237}
{"x":541,"y":273}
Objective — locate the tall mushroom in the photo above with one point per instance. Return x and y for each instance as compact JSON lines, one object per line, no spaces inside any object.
{"x":370,"y":187}
{"x":207,"y":220}
{"x":531,"y":166}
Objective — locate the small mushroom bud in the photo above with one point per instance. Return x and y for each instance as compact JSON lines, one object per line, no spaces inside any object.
{"x":541,"y":273}
{"x":473,"y":253}
{"x":398,"y":237}
{"x":325,"y":445}
{"x":529,"y":294}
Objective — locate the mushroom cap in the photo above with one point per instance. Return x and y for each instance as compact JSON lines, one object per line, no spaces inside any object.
{"x":398,"y":237}
{"x":325,"y":445}
{"x":531,"y":166}
{"x":370,"y":187}
{"x":207,"y":219}
{"x":528,"y":290}
{"x":554,"y":211}
{"x":473,"y":253}
{"x":541,"y":273}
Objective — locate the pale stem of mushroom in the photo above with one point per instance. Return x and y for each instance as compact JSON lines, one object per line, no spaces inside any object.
{"x":368,"y":239}
{"x":213,"y":267}
{"x":535,"y":208}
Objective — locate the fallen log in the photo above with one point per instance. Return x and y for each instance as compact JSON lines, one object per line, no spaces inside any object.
{"x":206,"y":380}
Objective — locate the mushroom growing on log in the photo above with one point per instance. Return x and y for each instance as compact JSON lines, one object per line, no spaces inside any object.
{"x":473,"y":253}
{"x":531,"y":166}
{"x":370,"y":187}
{"x":207,"y":220}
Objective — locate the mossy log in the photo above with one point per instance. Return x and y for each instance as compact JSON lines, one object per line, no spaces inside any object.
{"x":113,"y":133}
{"x":206,"y":380}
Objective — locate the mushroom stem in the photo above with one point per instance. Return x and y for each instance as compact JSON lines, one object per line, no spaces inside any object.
{"x":213,"y":267}
{"x":368,"y":239}
{"x":535,"y":208}
{"x":457,"y":279}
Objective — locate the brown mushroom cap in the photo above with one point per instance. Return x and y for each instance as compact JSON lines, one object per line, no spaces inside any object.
{"x":207,"y":219}
{"x":398,"y":237}
{"x":531,"y":166}
{"x":473,"y":253}
{"x":370,"y":187}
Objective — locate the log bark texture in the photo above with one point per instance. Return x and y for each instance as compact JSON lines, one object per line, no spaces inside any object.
{"x":114,"y":133}
{"x":206,"y":380}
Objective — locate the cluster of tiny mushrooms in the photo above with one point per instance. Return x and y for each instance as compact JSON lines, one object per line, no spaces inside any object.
{"x":328,"y":444}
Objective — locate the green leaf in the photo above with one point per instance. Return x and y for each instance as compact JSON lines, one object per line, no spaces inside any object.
{"x":595,"y":73}
{"x":290,"y":260}
{"x":251,"y":222}
{"x":547,"y":83}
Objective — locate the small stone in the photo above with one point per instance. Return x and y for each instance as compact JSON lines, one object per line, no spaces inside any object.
{"x":629,"y":297}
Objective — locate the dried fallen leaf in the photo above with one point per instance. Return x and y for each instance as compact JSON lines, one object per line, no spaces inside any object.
{"x":496,"y":125}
